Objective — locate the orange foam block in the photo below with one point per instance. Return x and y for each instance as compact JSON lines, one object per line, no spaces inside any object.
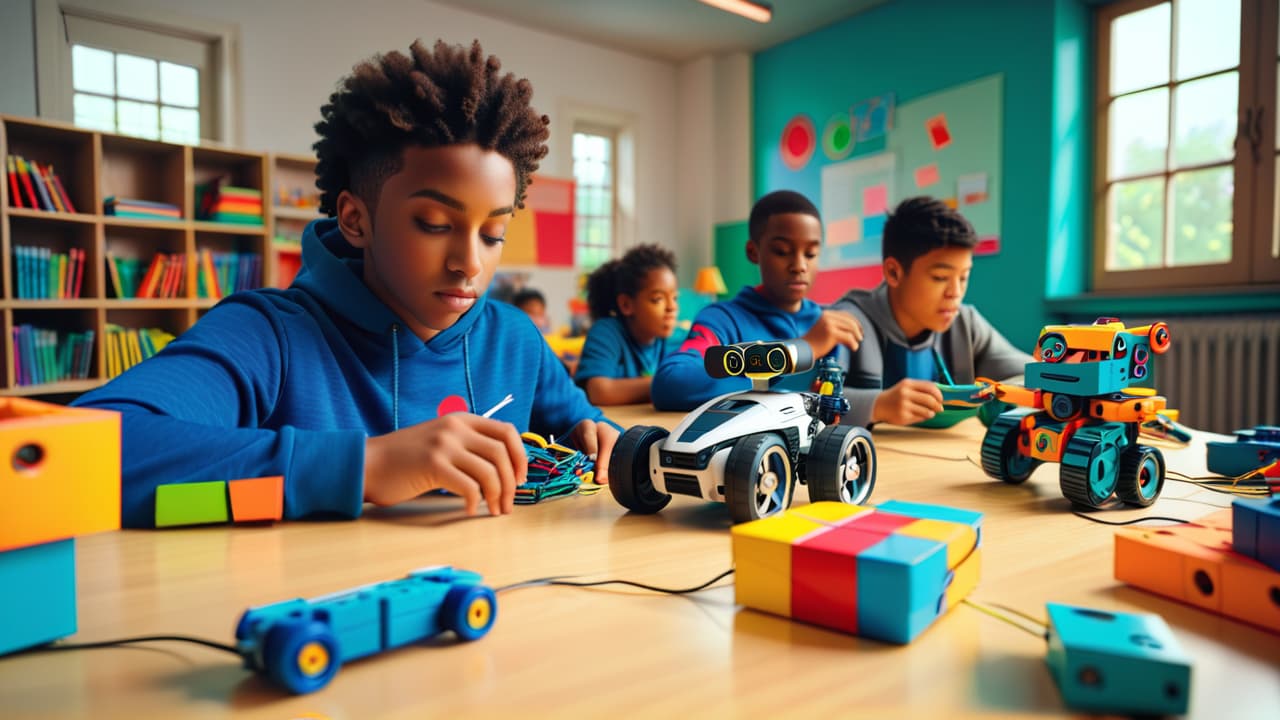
{"x":1194,"y":563}
{"x":60,"y":476}
{"x":256,"y":499}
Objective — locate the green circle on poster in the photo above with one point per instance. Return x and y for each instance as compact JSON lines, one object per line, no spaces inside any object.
{"x":837,"y":138}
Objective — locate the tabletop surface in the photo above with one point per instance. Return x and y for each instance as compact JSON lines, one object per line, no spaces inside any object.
{"x":560,"y":651}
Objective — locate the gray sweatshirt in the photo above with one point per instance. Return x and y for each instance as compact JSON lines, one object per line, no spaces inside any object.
{"x":971,"y":347}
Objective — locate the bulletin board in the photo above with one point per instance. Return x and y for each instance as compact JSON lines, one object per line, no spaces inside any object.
{"x":542,"y":233}
{"x":948,"y":145}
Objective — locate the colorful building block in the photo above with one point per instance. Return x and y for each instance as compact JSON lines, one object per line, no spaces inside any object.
{"x":257,"y":499}
{"x":869,"y":571}
{"x":38,"y":603}
{"x":1255,"y":530}
{"x":1113,"y":662}
{"x":61,"y":473}
{"x":1194,"y":563}
{"x":191,"y":503}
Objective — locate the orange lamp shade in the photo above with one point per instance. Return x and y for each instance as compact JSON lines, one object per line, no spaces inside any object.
{"x":710,"y":281}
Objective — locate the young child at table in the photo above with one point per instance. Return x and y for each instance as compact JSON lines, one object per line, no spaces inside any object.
{"x":917,"y":330}
{"x":784,"y":237}
{"x":633,"y":312}
{"x":347,"y":382}
{"x":534,"y":304}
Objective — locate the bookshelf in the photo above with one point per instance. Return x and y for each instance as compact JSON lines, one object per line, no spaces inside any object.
{"x":294,"y":203}
{"x":93,"y":166}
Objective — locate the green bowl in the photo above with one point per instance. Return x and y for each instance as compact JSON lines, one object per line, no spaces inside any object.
{"x":948,"y":417}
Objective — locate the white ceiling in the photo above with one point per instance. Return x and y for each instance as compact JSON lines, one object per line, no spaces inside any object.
{"x":670,"y":30}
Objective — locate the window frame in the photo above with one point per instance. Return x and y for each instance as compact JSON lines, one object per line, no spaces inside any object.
{"x":612,"y":134}
{"x":1253,"y":202}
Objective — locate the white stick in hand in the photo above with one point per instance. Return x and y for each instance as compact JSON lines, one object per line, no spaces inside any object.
{"x":505,"y":402}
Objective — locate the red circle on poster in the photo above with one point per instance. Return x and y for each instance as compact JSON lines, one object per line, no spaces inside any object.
{"x":798,"y":142}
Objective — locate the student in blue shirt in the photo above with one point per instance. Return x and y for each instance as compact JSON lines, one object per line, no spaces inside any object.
{"x":346,"y":383}
{"x":633,"y":312}
{"x":784,"y":237}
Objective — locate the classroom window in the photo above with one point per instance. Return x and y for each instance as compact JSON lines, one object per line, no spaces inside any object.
{"x":1185,"y":176}
{"x":594,"y":171}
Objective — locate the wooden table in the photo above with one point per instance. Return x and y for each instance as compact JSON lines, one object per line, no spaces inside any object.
{"x":559,"y":651}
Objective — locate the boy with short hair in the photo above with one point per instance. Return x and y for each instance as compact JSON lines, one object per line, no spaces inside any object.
{"x":347,"y":382}
{"x":534,"y":304}
{"x":917,"y":331}
{"x":784,"y":238}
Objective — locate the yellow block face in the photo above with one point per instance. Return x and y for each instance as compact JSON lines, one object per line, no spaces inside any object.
{"x":960,"y":539}
{"x":60,"y":474}
{"x":762,"y":560}
{"x":965,"y":580}
{"x":830,"y":512}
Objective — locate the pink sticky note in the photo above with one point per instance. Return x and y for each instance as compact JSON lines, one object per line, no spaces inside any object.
{"x":927,"y":175}
{"x":939,"y":134}
{"x":875,"y":200}
{"x":844,"y":231}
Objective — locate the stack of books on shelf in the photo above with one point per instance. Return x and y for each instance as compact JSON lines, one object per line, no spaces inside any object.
{"x":44,"y":356}
{"x":221,"y":274}
{"x":219,"y":202}
{"x":127,"y":347}
{"x":140,"y":209}
{"x":42,"y":274}
{"x":36,"y":186}
{"x":165,"y":277}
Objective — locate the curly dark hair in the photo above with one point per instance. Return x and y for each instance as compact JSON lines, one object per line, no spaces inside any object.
{"x":448,"y":95}
{"x":921,"y":224}
{"x":623,"y":277}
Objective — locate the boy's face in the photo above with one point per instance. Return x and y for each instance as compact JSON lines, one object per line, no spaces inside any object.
{"x":651,"y":313}
{"x":535,"y":309}
{"x":787,"y":253}
{"x":928,"y":296}
{"x":435,"y":237}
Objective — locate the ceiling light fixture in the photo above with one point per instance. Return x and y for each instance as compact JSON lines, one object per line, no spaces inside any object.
{"x":756,"y":10}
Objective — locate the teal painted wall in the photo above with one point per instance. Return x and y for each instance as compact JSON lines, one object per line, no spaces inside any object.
{"x":917,"y":47}
{"x":731,"y":257}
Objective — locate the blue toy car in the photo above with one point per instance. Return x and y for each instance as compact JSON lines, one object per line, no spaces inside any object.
{"x":1253,"y":449}
{"x":300,"y":644}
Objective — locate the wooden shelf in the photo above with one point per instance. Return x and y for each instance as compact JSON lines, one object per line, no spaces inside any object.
{"x":93,"y":166}
{"x":284,"y":212}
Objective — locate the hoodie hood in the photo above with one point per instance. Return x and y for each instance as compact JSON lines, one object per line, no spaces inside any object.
{"x":333,"y":273}
{"x":875,"y":305}
{"x":753,"y":300}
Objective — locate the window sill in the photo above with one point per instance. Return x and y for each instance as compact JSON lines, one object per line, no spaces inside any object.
{"x":1169,"y":301}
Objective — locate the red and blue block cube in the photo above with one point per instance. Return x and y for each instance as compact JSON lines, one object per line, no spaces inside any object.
{"x":884,"y":572}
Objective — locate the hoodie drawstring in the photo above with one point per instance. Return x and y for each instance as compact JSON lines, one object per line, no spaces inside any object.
{"x":395,"y":377}
{"x":466,"y":369}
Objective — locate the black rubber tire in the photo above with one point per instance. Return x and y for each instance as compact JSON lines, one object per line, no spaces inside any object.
{"x":1083,"y":459}
{"x":755,"y":458}
{"x":1136,"y":487}
{"x":1000,"y":457}
{"x":827,"y":468}
{"x":629,"y":479}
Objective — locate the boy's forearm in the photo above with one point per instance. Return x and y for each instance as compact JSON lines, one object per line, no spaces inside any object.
{"x":618,"y":391}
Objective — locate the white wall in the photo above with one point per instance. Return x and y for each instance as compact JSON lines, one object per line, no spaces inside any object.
{"x":17,"y":58}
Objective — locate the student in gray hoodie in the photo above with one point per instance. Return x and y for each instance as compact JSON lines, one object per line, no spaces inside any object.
{"x":916,"y":331}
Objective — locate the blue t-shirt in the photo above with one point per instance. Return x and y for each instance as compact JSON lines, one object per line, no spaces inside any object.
{"x":611,"y":352}
{"x":901,"y":362}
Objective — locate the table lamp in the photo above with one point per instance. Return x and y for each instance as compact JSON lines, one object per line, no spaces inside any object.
{"x":710,"y":282}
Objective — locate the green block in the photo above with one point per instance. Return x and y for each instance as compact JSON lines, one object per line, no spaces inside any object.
{"x":191,"y":503}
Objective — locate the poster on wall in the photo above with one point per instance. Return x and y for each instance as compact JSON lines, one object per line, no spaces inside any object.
{"x":855,"y":200}
{"x":542,"y":233}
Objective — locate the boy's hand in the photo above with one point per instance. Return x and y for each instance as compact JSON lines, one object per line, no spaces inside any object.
{"x":468,"y":455}
{"x":595,"y":439}
{"x":908,"y":402}
{"x":833,"y":328}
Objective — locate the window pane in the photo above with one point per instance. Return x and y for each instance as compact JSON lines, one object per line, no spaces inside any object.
{"x":1139,"y":133}
{"x":1140,"y":49}
{"x":139,"y":119}
{"x":1208,"y":36}
{"x":179,"y":125}
{"x":136,"y":77}
{"x":1205,"y":120}
{"x":1202,"y":216}
{"x":92,"y":70}
{"x":1136,"y":229}
{"x":97,"y":113}
{"x":179,"y":85}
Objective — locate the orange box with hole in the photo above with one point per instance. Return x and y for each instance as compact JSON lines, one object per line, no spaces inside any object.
{"x":61,"y":472}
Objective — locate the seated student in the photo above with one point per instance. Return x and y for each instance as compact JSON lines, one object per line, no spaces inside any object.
{"x":784,"y":237}
{"x":633,"y":312}
{"x":535,"y":306}
{"x":343,"y":382}
{"x":917,"y":332}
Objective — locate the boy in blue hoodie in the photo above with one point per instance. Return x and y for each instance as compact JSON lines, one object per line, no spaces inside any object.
{"x":347,"y":382}
{"x":918,"y":332}
{"x":784,"y":237}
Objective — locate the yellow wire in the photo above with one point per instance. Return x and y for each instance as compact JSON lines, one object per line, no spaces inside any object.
{"x":1020,"y":614}
{"x":1001,"y":618}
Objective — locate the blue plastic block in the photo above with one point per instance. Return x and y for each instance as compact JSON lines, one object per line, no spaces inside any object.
{"x":935,"y":512}
{"x":902,"y":583}
{"x":1121,"y":663}
{"x":38,"y":599}
{"x":1255,"y":530}
{"x":1086,"y":379}
{"x":413,"y":612}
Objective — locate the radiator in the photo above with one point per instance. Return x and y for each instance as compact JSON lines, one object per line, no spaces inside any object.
{"x":1222,"y":372}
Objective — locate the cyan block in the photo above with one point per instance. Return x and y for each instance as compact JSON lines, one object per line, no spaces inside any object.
{"x":1113,"y":662}
{"x":902,"y":584}
{"x":197,"y":503}
{"x":1255,"y":530}
{"x":935,"y":512}
{"x":38,"y":599}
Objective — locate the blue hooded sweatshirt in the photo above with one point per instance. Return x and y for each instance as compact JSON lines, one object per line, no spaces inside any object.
{"x":682,"y":383}
{"x":292,"y":382}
